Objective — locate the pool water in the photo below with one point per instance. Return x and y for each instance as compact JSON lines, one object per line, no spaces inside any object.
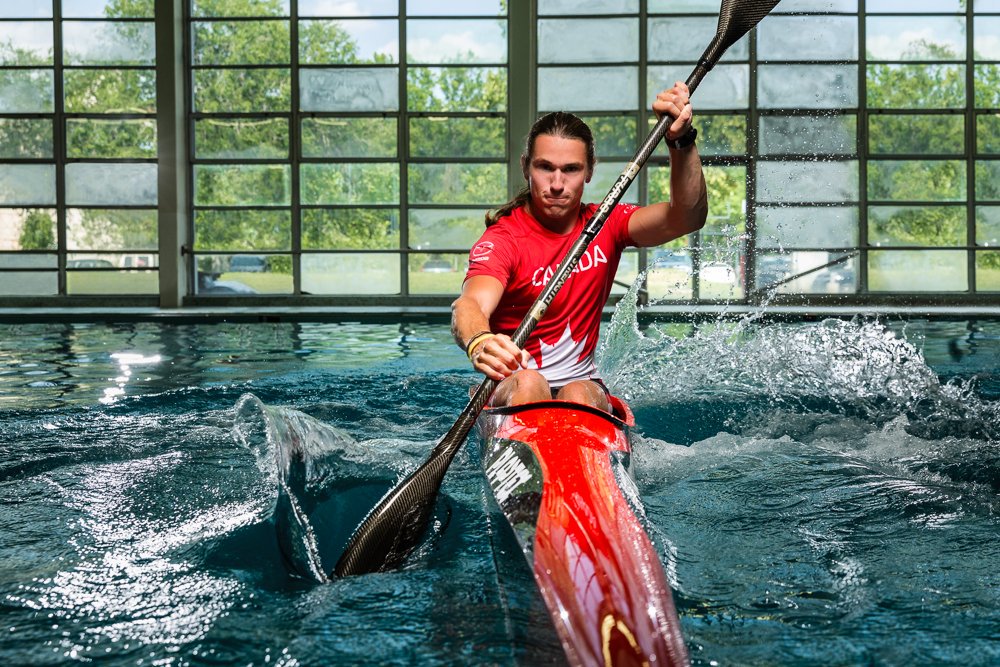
{"x":822,"y":493}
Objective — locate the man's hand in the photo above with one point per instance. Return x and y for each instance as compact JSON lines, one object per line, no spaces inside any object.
{"x":497,"y":357}
{"x":676,"y":103}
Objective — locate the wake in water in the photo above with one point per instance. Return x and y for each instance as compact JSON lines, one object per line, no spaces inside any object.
{"x":323,"y":477}
{"x":291,"y":449}
{"x":827,"y":498}
{"x":775,"y":380}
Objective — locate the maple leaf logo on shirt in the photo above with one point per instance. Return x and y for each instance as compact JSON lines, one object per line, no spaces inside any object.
{"x":559,"y":360}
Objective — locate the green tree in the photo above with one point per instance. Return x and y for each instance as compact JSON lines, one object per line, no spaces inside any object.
{"x":924,"y":86}
{"x":25,"y":91}
{"x":27,"y":137}
{"x":36,"y":234}
{"x":919,"y":225}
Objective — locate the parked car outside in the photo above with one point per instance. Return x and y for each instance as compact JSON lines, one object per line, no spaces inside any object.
{"x":247,"y":264}
{"x":89,"y":264}
{"x":667,"y":259}
{"x":717,"y":272}
{"x":209,"y":283}
{"x":437,"y":266}
{"x":773,"y":269}
{"x":226,"y":287}
{"x":138,"y":261}
{"x":835,"y":280}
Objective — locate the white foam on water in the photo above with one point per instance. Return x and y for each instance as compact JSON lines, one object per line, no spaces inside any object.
{"x":857,"y":365}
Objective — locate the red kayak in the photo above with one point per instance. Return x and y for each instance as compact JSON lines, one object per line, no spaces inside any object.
{"x":556,"y":470}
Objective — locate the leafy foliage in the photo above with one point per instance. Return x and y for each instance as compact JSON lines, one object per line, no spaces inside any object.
{"x":37,"y":234}
{"x":917,"y":226}
{"x":349,"y":182}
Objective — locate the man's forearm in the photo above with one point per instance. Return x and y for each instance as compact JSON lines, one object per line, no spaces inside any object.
{"x":467,"y":319}
{"x":688,"y":193}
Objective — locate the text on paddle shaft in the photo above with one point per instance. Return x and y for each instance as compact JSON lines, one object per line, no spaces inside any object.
{"x":617,"y":190}
{"x":592,"y":257}
{"x":506,"y":474}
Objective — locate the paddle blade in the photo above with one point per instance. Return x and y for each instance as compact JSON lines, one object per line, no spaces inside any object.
{"x":736,"y":18}
{"x":397,"y":524}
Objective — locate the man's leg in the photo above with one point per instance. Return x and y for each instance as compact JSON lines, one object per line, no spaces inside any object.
{"x":524,"y":386}
{"x":587,"y":392}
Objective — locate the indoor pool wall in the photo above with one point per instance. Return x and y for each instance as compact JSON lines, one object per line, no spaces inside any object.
{"x":822,"y":493}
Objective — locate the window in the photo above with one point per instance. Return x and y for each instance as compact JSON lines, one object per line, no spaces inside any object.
{"x":345,"y":152}
{"x":588,"y":64}
{"x":348,"y":146}
{"x":78,"y":148}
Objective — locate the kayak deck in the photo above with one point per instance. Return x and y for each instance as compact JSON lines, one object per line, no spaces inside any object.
{"x":556,"y":470}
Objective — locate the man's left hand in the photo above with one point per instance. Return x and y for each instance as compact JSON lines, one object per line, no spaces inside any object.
{"x":676,"y":103}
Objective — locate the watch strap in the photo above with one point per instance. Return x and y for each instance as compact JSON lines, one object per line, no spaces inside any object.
{"x":684,"y":140}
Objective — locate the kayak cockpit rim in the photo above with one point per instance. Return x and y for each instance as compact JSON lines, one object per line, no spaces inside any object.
{"x":621,"y":419}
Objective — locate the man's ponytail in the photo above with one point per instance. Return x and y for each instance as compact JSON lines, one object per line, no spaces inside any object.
{"x":519,"y":200}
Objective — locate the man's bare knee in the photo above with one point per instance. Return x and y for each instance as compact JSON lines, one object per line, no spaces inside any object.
{"x":586,"y":392}
{"x":524,"y":386}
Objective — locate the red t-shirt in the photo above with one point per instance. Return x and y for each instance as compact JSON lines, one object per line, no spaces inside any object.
{"x":523,"y":255}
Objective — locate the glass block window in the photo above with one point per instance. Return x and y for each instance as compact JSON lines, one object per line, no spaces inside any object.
{"x":77,"y":148}
{"x":348,"y":150}
{"x":344,"y":149}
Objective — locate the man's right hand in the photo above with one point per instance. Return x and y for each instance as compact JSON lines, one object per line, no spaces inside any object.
{"x":498,"y":357}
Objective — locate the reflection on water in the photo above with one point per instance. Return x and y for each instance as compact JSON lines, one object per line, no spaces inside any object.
{"x":45,"y":365}
{"x":821,"y":493}
{"x":126,"y":360}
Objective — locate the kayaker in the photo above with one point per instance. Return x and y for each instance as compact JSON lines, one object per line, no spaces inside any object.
{"x":527,"y":238}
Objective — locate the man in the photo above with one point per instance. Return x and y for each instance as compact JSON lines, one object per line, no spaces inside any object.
{"x":527,"y":238}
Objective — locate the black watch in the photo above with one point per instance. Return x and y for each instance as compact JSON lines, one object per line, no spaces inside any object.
{"x":683,"y":141}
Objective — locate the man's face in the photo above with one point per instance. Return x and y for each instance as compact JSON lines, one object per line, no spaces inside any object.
{"x":556,"y":175}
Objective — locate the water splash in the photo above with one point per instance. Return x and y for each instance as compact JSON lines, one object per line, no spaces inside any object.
{"x":283,"y":439}
{"x":322,"y":478}
{"x":854,"y":387}
{"x":857,"y":366}
{"x":294,"y":451}
{"x":831,"y":461}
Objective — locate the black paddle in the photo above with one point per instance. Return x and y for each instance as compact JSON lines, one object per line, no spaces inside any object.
{"x":395,"y":526}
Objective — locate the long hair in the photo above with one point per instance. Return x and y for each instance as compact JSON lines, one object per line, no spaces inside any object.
{"x":557,"y":124}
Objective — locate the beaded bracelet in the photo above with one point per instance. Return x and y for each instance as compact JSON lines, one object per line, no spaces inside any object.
{"x":475,"y":340}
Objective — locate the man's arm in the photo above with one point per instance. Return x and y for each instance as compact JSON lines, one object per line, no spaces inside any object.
{"x":688,"y":207}
{"x":494,"y":356}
